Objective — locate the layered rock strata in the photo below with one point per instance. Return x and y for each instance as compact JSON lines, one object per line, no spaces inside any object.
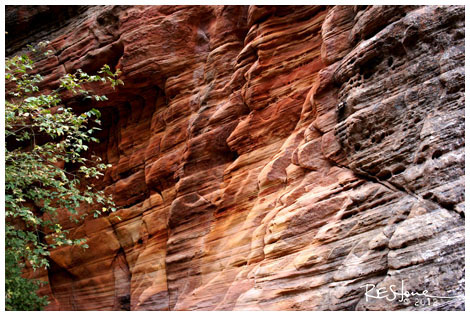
{"x":269,"y":158}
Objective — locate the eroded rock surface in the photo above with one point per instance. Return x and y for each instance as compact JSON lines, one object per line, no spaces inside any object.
{"x":270,"y":158}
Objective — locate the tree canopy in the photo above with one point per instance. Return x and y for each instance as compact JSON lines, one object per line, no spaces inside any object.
{"x":42,"y":137}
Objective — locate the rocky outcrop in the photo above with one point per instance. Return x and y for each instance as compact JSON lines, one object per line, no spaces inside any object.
{"x":270,"y":158}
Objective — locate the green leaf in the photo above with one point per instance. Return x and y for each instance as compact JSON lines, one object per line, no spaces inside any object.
{"x":43,"y":132}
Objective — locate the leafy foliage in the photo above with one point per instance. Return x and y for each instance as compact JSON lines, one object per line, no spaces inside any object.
{"x":20,"y":292}
{"x":42,"y":136}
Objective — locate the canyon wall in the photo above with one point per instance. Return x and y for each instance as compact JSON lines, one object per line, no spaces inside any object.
{"x":266,"y":158}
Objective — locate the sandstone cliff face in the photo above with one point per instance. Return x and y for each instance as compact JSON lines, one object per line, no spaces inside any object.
{"x":270,"y":158}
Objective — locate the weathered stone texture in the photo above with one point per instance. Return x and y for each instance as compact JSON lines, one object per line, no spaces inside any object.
{"x":270,"y":158}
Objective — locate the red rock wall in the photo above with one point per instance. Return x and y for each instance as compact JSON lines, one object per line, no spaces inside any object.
{"x":269,"y":158}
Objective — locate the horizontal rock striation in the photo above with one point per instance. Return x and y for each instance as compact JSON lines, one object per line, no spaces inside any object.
{"x":268,"y":157}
